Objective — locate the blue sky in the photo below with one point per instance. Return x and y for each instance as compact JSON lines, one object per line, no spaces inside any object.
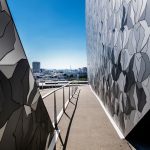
{"x":52,"y":31}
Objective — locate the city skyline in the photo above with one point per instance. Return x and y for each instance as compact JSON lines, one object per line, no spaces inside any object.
{"x":56,"y":40}
{"x":70,"y":68}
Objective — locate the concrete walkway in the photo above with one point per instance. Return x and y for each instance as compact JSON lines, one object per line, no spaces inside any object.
{"x":85,"y":126}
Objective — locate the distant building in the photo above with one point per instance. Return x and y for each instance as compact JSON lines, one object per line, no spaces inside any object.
{"x":42,"y":70}
{"x":79,"y":70}
{"x":84,"y":69}
{"x":36,"y":67}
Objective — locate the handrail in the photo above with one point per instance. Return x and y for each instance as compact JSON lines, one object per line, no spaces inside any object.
{"x":49,"y":93}
{"x":65,"y":104}
{"x":57,"y":118}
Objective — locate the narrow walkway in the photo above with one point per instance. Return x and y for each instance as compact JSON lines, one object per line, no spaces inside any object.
{"x":85,"y":126}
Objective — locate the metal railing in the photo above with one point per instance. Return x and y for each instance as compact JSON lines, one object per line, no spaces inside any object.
{"x":64,"y":96}
{"x":68,"y":90}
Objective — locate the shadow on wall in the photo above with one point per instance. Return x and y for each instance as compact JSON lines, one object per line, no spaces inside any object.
{"x":138,"y":137}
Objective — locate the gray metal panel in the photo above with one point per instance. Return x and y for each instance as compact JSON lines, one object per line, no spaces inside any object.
{"x":118,"y":48}
{"x":24,"y":121}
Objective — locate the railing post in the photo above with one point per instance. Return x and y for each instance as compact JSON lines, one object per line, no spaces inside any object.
{"x":69,"y":91}
{"x":63,"y":100}
{"x":55,"y":111}
{"x":72,"y":91}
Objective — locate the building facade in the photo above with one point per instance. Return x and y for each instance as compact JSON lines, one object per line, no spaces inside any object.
{"x":36,"y":67}
{"x":24,"y":121}
{"x":118,"y":48}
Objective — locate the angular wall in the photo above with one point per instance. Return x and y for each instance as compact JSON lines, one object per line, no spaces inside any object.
{"x":118,"y":48}
{"x":24,"y":121}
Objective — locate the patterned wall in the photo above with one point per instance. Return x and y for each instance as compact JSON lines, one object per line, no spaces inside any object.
{"x":118,"y":47}
{"x":24,"y":121}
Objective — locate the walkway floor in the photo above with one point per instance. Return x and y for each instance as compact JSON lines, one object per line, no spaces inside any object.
{"x":85,"y":125}
{"x":90,"y":129}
